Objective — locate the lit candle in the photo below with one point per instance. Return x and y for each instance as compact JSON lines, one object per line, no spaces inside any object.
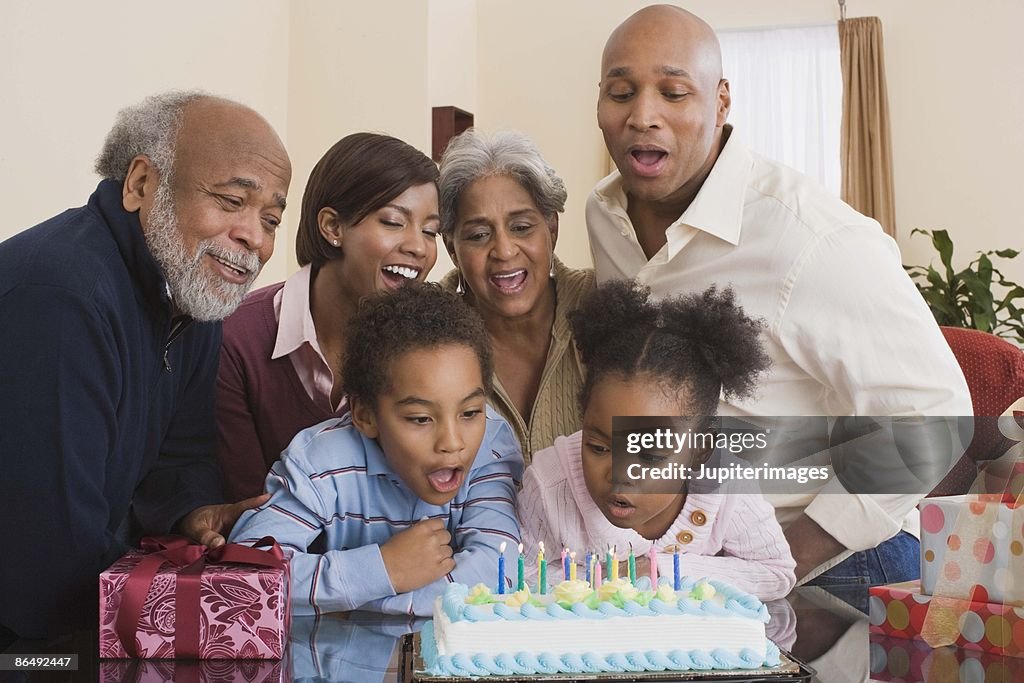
{"x":565,"y":563}
{"x":542,"y":571}
{"x":677,"y":584}
{"x":590,"y":558}
{"x":501,"y":568}
{"x":597,"y":573}
{"x":652,"y":558}
{"x":613,"y":575}
{"x":572,"y":566}
{"x":632,"y":566}
{"x":520,"y":579}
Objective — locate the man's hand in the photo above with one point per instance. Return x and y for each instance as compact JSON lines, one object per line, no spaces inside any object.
{"x":418,"y":556}
{"x":811,"y":545}
{"x":211,"y":523}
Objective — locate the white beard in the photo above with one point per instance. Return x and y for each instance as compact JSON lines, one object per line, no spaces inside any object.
{"x":197,"y":291}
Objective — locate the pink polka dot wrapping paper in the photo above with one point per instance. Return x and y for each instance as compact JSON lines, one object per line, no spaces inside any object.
{"x":899,"y":610}
{"x":896,"y":660}
{"x":972,"y":547}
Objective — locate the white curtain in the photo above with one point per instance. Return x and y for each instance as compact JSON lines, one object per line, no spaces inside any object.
{"x":787,"y":96}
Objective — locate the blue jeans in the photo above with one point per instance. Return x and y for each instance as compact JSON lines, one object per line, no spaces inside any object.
{"x":898,"y":559}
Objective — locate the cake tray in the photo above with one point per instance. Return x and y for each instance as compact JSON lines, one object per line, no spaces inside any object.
{"x":410,"y":670}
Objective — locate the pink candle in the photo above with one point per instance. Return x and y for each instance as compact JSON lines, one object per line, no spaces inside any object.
{"x":597,"y":575}
{"x":652,"y":557}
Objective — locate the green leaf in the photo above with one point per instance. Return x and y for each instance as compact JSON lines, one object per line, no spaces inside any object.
{"x":943,"y":245}
{"x":1007,"y":253}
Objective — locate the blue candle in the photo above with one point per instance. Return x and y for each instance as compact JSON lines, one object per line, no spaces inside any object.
{"x":501,"y":568}
{"x":589,"y":556}
{"x":565,"y":564}
{"x":676,"y":582}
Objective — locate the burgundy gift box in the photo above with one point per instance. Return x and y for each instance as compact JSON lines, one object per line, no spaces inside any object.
{"x":176,"y":600}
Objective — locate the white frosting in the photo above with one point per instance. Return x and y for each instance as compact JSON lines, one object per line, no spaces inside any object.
{"x":599,"y":636}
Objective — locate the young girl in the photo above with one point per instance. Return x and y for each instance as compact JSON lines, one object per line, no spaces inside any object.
{"x":415,"y":487}
{"x":672,"y":357}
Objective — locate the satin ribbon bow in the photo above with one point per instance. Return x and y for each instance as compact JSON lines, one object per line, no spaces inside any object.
{"x":191,"y":559}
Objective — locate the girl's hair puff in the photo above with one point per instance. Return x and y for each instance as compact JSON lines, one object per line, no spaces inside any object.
{"x":703,"y":343}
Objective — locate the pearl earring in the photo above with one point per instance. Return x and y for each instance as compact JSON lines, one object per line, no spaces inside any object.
{"x":336,"y":243}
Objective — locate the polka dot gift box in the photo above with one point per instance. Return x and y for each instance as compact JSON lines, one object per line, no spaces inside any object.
{"x":900,"y":610}
{"x":972,"y":547}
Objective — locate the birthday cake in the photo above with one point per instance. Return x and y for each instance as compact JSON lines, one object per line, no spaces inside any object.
{"x":620,"y":627}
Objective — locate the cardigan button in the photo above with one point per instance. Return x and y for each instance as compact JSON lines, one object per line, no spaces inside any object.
{"x":684,"y":537}
{"x":698,"y":518}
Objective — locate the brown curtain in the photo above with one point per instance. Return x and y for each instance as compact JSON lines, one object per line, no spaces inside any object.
{"x":866,"y":147}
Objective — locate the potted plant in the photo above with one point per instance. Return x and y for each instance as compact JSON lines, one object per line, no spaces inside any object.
{"x":965,"y":298}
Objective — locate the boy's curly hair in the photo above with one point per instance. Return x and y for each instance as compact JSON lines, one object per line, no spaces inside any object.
{"x":703,"y":344}
{"x":419,"y":315}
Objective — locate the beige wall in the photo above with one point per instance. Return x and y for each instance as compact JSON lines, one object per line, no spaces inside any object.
{"x":319,"y":69}
{"x":67,"y":67}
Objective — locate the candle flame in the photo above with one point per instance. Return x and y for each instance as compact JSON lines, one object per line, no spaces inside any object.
{"x":573,"y":556}
{"x":520,"y":548}
{"x":501,"y":548}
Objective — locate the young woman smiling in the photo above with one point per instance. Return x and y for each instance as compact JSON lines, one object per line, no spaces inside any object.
{"x":369,"y":224}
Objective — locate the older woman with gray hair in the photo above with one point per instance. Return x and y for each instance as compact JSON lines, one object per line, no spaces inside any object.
{"x":499,"y":203}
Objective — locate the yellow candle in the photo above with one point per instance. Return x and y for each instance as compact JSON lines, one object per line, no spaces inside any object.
{"x":615,"y":566}
{"x":572,"y":567}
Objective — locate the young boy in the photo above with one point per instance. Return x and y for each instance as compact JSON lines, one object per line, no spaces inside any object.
{"x":413,"y":489}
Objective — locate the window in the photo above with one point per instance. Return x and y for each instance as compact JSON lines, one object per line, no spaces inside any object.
{"x":787,"y":96}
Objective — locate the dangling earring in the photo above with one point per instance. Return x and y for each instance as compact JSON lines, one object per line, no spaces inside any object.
{"x":459,"y":289}
{"x":551,"y":273}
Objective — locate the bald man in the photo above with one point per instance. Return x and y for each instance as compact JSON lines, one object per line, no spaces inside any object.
{"x":110,"y":339}
{"x":848,"y":334}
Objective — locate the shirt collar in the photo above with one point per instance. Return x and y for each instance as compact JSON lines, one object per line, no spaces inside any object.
{"x":295,"y":322}
{"x":376,"y":463}
{"x":718,"y":207}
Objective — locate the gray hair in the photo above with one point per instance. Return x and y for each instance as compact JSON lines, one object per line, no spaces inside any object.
{"x":473,"y":155}
{"x":149,"y":128}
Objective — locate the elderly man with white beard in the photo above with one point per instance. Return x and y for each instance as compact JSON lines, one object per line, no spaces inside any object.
{"x":110,"y":334}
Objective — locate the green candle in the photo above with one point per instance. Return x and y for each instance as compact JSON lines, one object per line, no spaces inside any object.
{"x":632,"y":566}
{"x":543,"y":588}
{"x":520,"y":580}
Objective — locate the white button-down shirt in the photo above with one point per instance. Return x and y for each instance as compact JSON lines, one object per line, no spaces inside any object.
{"x":847,"y":332}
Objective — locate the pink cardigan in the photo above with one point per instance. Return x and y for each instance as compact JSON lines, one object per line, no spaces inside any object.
{"x":737,"y":539}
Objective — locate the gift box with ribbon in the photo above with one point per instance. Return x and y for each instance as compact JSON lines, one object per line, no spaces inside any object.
{"x":972,"y":547}
{"x":895,"y":660}
{"x":901,"y":610}
{"x":177,"y":600}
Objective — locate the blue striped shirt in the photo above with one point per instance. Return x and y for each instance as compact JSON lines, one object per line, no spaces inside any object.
{"x":335,"y":480}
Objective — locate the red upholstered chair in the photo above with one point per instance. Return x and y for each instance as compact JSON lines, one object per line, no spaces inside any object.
{"x":994,"y":369}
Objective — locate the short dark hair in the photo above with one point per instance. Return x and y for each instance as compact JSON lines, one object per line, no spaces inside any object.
{"x":358,"y":175}
{"x":419,"y":315}
{"x":703,"y":343}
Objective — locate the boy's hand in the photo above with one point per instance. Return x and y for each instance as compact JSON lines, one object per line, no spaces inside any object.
{"x":418,"y":556}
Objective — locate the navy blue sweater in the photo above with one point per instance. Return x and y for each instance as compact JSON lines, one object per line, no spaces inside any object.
{"x":105,"y":416}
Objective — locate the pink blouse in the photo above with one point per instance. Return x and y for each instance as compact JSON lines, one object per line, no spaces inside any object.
{"x":730,"y":536}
